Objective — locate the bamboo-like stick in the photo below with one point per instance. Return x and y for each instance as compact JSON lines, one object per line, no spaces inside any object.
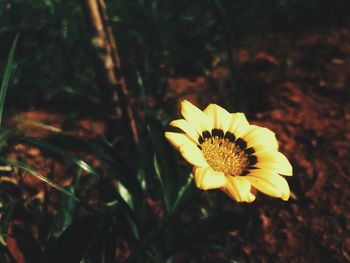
{"x":112,"y":83}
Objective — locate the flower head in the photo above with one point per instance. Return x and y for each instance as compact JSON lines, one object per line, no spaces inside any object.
{"x":228,"y":153}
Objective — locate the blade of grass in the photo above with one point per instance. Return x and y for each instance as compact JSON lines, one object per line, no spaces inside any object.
{"x":64,"y":216}
{"x":7,"y":208}
{"x":61,"y":189}
{"x":7,"y":76}
{"x":125,"y":207}
{"x":56,"y":150}
{"x":185,"y":193}
{"x":122,"y":171}
{"x":29,"y":170}
{"x":164,"y":164}
{"x":84,"y":166}
{"x":5,"y":135}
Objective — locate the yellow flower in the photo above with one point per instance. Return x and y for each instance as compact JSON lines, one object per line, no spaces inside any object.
{"x":228,"y":153}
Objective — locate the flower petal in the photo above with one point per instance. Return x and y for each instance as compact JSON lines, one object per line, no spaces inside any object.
{"x":260,"y":136}
{"x":276,"y":159}
{"x":238,"y":188}
{"x":238,"y":125}
{"x":192,"y":154}
{"x":177,"y":139}
{"x":189,"y":150}
{"x":269,"y":182}
{"x":218,"y":116}
{"x":277,"y":166}
{"x":195,"y":117}
{"x":284,"y":166}
{"x":187,"y":128}
{"x":207,"y":178}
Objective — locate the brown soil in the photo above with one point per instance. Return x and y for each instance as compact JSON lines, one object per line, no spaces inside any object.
{"x":302,"y":94}
{"x":298,"y":86}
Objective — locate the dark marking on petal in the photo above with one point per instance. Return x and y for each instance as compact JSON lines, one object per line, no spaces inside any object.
{"x":244,"y":173}
{"x":252,"y":159}
{"x":206,"y":135}
{"x":230,"y":136}
{"x":249,"y":150}
{"x":241,"y":143}
{"x":217,"y":132}
{"x":200,"y":140}
{"x":170,"y":128}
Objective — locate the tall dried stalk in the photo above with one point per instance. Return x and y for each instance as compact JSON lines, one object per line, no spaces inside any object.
{"x":111,"y":80}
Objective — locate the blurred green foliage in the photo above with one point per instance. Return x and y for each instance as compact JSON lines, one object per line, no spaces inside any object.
{"x":52,"y":55}
{"x":156,"y":39}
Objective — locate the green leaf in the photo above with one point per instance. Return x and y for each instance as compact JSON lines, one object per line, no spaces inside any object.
{"x":64,"y":216}
{"x":29,"y":170}
{"x":56,"y":150}
{"x":6,"y":209}
{"x":184,"y":194}
{"x":164,"y":161}
{"x":119,"y":169}
{"x":5,"y":134}
{"x":158,"y":173}
{"x":122,"y":171}
{"x":128,"y":182}
{"x":75,"y":241}
{"x":7,"y":76}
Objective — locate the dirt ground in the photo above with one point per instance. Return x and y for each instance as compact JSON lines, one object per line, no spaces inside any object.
{"x":309,"y":111}
{"x":298,"y":86}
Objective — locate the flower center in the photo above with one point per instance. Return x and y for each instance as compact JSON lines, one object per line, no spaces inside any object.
{"x":224,"y":155}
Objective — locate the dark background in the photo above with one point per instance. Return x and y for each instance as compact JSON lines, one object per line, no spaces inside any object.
{"x":284,"y":63}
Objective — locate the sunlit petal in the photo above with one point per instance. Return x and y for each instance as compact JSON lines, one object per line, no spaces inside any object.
{"x":238,"y":125}
{"x":279,"y":167}
{"x":207,"y":178}
{"x":277,"y":159}
{"x":195,"y":116}
{"x":270,"y":183}
{"x":218,"y":116}
{"x":238,"y":188}
{"x":187,"y":128}
{"x":178,"y":139}
{"x":260,"y":136}
{"x":193,"y":155}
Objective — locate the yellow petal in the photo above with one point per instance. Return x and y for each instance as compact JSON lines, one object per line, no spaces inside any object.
{"x":195,"y":117}
{"x":177,"y":139}
{"x":284,"y":166}
{"x":260,"y":136}
{"x":192,"y":154}
{"x":207,"y":178}
{"x":265,"y":155}
{"x":187,"y":128}
{"x":218,"y":116}
{"x":189,"y":150}
{"x":269,"y":182}
{"x":278,"y":167}
{"x":277,"y":160}
{"x":238,"y":188}
{"x":238,"y":125}
{"x":210,"y":112}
